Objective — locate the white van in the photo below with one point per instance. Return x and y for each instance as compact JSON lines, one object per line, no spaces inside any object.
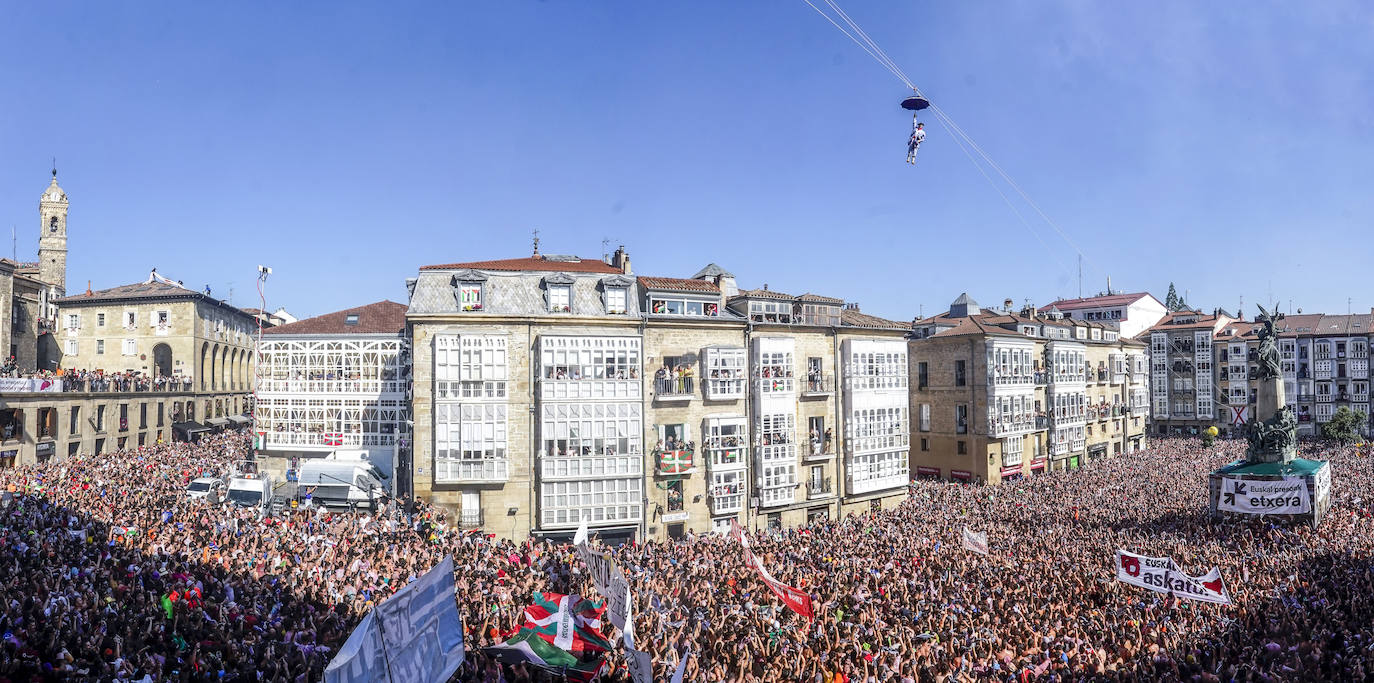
{"x":342,"y":479}
{"x":250,"y":489}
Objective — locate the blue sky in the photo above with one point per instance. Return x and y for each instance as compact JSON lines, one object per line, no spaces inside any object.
{"x":347,"y":144}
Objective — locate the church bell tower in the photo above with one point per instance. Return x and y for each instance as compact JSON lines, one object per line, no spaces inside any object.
{"x":52,"y":237}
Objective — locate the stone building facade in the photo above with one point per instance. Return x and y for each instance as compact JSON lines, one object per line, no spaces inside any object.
{"x":38,"y":425}
{"x":32,"y":288}
{"x":159,"y":328}
{"x":999,"y":395}
{"x":553,"y":389}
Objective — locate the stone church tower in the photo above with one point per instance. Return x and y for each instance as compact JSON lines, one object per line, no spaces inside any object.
{"x":52,"y":238}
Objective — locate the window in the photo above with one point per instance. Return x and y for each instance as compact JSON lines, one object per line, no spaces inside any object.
{"x":130,"y":347}
{"x":675,"y":495}
{"x":162,"y":318}
{"x":958,"y":373}
{"x":877,"y":370}
{"x":589,"y":367}
{"x":560,"y":298}
{"x":925,"y":444}
{"x":878,"y":429}
{"x":99,"y":319}
{"x":470,"y":296}
{"x":143,"y":416}
{"x":725,"y":373}
{"x":470,"y":367}
{"x":877,"y":471}
{"x":775,"y":371}
{"x":961,"y":419}
{"x":130,"y":318}
{"x":616,"y":300}
{"x":567,"y":503}
{"x":585,"y":429}
{"x":727,"y":491}
{"x":351,"y":319}
{"x":73,"y":321}
{"x":470,"y":442}
{"x":923,"y":412}
{"x":75,"y":421}
{"x":100,"y":346}
{"x":687,"y":307}
{"x":71,"y":347}
{"x":726,"y":443}
{"x":922,"y":375}
{"x":963,"y":448}
{"x":100,"y":418}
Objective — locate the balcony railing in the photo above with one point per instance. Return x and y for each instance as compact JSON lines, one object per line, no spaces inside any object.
{"x":1324,"y":398}
{"x":124,"y":386}
{"x":1042,"y":422}
{"x":818,"y":385}
{"x":674,"y":388}
{"x":590,"y":466}
{"x":817,"y":488}
{"x":470,"y":519}
{"x":1303,"y":398}
{"x":1359,"y":353}
{"x":1343,"y":396}
{"x":1042,"y":378}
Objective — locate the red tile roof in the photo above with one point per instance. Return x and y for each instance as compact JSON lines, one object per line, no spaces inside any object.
{"x":819,"y":298}
{"x":673,"y":284}
{"x":764,"y":294}
{"x":383,"y":317}
{"x":535,"y":264}
{"x":1097,"y":301}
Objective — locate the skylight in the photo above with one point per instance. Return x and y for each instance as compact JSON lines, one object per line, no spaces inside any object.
{"x":352,"y":319}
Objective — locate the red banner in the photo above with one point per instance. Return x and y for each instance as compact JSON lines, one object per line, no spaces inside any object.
{"x":794,"y":598}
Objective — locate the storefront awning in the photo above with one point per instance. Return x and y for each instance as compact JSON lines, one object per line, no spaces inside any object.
{"x":189,"y":427}
{"x":240,"y":419}
{"x":217,"y":422}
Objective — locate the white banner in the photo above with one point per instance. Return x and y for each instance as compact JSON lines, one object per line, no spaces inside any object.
{"x":1161,"y":575}
{"x":1321,"y":482}
{"x":640,"y":664}
{"x":414,"y":635}
{"x":976,"y":541}
{"x":607,"y":578}
{"x":1286,"y":497}
{"x":19,"y":385}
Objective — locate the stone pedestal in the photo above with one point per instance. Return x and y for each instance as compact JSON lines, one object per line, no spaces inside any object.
{"x":1273,"y":429}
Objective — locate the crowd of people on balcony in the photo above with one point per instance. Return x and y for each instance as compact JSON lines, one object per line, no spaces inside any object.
{"x":822,"y":444}
{"x":111,"y":574}
{"x":673,"y":379}
{"x":76,"y":380}
{"x":579,"y":372}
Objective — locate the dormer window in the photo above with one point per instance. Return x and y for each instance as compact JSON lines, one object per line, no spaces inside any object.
{"x":560,"y":298}
{"x":469,"y":290}
{"x":615,"y":294}
{"x":558,"y":292}
{"x":616,"y":300}
{"x":351,"y":319}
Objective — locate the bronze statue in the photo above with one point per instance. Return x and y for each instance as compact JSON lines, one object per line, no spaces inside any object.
{"x":1275,"y":435}
{"x":1268,"y":348}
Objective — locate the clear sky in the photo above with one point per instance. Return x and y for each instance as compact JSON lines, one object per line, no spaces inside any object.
{"x":1225,"y":146}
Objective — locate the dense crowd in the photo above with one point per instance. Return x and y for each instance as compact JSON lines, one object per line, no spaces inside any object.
{"x":108,"y":572}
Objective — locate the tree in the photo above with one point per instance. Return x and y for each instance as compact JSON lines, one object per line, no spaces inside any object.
{"x":1345,"y":426}
{"x":1172,"y":300}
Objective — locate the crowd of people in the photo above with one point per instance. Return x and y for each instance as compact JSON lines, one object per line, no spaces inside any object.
{"x":108,"y":572}
{"x":100,"y":380}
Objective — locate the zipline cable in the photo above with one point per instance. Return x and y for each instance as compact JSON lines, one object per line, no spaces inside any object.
{"x":870,"y":46}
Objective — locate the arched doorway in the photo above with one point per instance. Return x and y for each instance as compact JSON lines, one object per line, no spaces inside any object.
{"x":204,"y":369}
{"x":162,"y":360}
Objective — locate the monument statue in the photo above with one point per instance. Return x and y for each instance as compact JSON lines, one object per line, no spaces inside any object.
{"x":1274,"y":428}
{"x":1268,"y":350}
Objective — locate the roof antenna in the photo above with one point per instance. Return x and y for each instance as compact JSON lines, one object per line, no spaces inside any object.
{"x":536,"y":244}
{"x":605,"y":244}
{"x":54,"y":168}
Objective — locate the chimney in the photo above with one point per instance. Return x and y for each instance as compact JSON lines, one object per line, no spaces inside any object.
{"x":765,"y":286}
{"x":620,"y":260}
{"x":89,"y":292}
{"x":1006,"y":304}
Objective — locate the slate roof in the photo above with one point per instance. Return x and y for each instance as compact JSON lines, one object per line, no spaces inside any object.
{"x":712,"y":270}
{"x":382,"y":317}
{"x":853,"y":318}
{"x":1099,"y":301}
{"x":532,"y":264}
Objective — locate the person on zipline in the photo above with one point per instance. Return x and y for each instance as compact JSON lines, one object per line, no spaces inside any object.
{"x":917,"y":137}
